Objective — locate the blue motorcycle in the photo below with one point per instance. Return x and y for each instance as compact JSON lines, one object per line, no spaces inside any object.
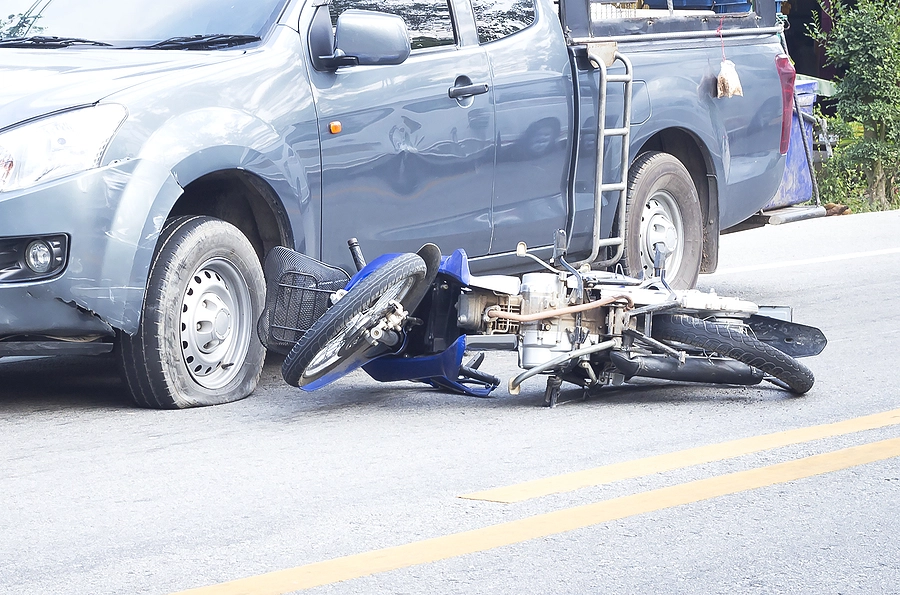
{"x":413,"y":316}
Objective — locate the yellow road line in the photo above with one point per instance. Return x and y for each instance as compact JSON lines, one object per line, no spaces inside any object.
{"x":543,"y":525}
{"x":576,"y":480}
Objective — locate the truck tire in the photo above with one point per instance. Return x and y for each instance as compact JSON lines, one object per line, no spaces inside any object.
{"x":728,"y":341}
{"x":333,"y":345}
{"x":662,"y":206}
{"x":196,"y":343}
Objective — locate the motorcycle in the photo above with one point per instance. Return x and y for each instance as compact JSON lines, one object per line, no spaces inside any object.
{"x":414,"y":316}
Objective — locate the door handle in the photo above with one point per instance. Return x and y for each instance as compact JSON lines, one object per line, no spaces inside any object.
{"x":467,"y":90}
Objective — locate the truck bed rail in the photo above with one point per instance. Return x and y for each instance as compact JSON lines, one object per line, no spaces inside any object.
{"x":580,"y":19}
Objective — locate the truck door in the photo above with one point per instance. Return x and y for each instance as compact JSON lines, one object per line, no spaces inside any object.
{"x":532,"y":93}
{"x":410,"y":163}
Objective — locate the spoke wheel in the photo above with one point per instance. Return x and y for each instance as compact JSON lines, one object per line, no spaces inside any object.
{"x":347,"y":341}
{"x":336,"y":344}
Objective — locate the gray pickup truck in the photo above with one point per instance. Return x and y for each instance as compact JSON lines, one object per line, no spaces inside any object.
{"x":152,"y":153}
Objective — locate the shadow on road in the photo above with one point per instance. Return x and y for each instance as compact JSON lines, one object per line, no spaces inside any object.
{"x":662,"y":391}
{"x":61,"y":382}
{"x":93,"y":382}
{"x":357,"y":393}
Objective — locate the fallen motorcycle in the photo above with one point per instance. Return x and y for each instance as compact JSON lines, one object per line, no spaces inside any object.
{"x":414,"y":316}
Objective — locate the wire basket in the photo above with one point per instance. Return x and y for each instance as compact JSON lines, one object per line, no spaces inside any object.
{"x":298,"y":292}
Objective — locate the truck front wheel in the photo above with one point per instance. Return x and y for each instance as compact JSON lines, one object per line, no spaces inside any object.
{"x":196,"y":343}
{"x":663,"y":207}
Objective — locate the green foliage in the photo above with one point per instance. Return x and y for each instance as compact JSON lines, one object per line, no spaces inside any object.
{"x":9,"y":27}
{"x":18,"y":25}
{"x":842,"y":178}
{"x":864,"y":44}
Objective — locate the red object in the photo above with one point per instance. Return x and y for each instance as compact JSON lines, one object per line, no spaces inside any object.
{"x":787,"y":74}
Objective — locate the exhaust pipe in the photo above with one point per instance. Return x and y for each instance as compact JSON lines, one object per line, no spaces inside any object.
{"x":694,"y":369}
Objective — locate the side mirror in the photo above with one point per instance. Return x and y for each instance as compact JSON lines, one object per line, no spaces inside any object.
{"x":370,"y":37}
{"x":361,"y":37}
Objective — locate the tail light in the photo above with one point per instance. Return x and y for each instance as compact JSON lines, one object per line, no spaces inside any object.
{"x":787,"y":74}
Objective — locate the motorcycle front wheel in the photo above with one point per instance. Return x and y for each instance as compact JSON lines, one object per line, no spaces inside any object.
{"x":334,"y":344}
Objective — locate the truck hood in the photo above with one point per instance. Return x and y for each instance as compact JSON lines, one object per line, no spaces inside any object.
{"x":37,"y":82}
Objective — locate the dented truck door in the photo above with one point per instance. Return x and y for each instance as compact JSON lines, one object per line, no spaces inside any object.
{"x":407,"y":149}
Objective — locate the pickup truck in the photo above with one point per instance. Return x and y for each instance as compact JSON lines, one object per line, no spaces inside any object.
{"x":152,"y":154}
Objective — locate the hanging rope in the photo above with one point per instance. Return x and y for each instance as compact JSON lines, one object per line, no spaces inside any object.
{"x":721,"y":38}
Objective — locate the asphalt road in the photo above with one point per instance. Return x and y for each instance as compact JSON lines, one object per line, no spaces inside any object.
{"x":102,"y":498}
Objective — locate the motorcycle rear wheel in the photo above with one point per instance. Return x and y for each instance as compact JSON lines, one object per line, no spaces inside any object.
{"x":729,"y":341}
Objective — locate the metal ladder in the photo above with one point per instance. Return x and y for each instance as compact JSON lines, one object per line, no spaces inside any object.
{"x":603,"y":133}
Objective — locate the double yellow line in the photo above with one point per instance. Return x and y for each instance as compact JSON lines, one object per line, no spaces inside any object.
{"x":542,"y":525}
{"x":682,"y":459}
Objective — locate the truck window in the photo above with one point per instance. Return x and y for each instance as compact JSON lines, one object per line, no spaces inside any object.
{"x":496,"y":19}
{"x":429,"y":21}
{"x":133,"y":23}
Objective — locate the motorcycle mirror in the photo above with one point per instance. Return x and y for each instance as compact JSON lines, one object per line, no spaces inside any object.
{"x":559,"y":244}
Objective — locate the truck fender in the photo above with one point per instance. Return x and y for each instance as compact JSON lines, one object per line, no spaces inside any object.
{"x":172,"y":159}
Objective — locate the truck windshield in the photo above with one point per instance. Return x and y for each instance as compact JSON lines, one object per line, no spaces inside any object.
{"x":135,"y":23}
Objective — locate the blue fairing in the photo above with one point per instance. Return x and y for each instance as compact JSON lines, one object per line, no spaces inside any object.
{"x":440,"y":370}
{"x":456,"y":266}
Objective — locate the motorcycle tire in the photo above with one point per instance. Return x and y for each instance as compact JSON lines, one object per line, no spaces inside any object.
{"x":728,"y":341}
{"x":333,"y":345}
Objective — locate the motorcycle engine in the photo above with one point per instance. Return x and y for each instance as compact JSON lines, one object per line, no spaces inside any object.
{"x":545,"y":339}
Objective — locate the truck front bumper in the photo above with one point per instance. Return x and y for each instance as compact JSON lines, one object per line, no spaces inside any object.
{"x":106,"y":217}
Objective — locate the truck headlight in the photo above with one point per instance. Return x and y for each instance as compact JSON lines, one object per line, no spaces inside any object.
{"x":58,"y":145}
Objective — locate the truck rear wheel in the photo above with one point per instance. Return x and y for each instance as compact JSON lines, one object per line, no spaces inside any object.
{"x":663,"y":207}
{"x":196,"y":343}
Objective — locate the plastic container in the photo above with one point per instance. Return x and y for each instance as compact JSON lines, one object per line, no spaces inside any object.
{"x":681,"y":4}
{"x":725,"y":6}
{"x":796,"y":185}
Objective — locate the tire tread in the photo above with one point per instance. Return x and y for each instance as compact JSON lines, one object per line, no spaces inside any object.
{"x":728,"y":341}
{"x":643,"y":167}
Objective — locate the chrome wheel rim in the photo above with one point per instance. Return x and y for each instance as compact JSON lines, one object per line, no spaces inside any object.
{"x":216,"y":323}
{"x":661,"y":222}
